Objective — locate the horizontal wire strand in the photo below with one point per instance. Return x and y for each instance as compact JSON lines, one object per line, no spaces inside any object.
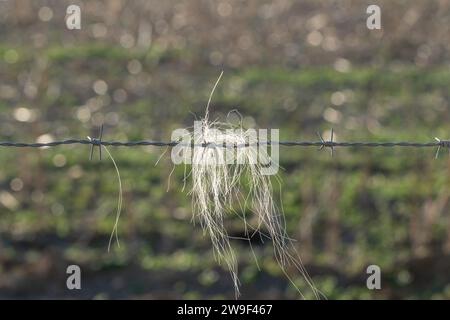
{"x":96,"y":142}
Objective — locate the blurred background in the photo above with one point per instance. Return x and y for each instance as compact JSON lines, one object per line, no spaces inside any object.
{"x":144,"y":68}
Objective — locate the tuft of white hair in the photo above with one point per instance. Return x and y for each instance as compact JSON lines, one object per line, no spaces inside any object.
{"x":217,"y":186}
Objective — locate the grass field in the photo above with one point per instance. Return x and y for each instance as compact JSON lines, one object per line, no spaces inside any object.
{"x":363,"y":206}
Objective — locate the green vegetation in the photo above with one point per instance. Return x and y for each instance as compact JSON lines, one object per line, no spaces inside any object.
{"x":365,"y":206}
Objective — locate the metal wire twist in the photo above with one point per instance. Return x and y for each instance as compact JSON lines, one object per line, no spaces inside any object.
{"x":321,"y":144}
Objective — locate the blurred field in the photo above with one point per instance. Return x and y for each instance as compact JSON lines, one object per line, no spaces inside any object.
{"x":145,"y":68}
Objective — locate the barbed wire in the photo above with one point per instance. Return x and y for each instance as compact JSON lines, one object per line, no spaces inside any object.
{"x":322,"y":143}
{"x":441,"y":143}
